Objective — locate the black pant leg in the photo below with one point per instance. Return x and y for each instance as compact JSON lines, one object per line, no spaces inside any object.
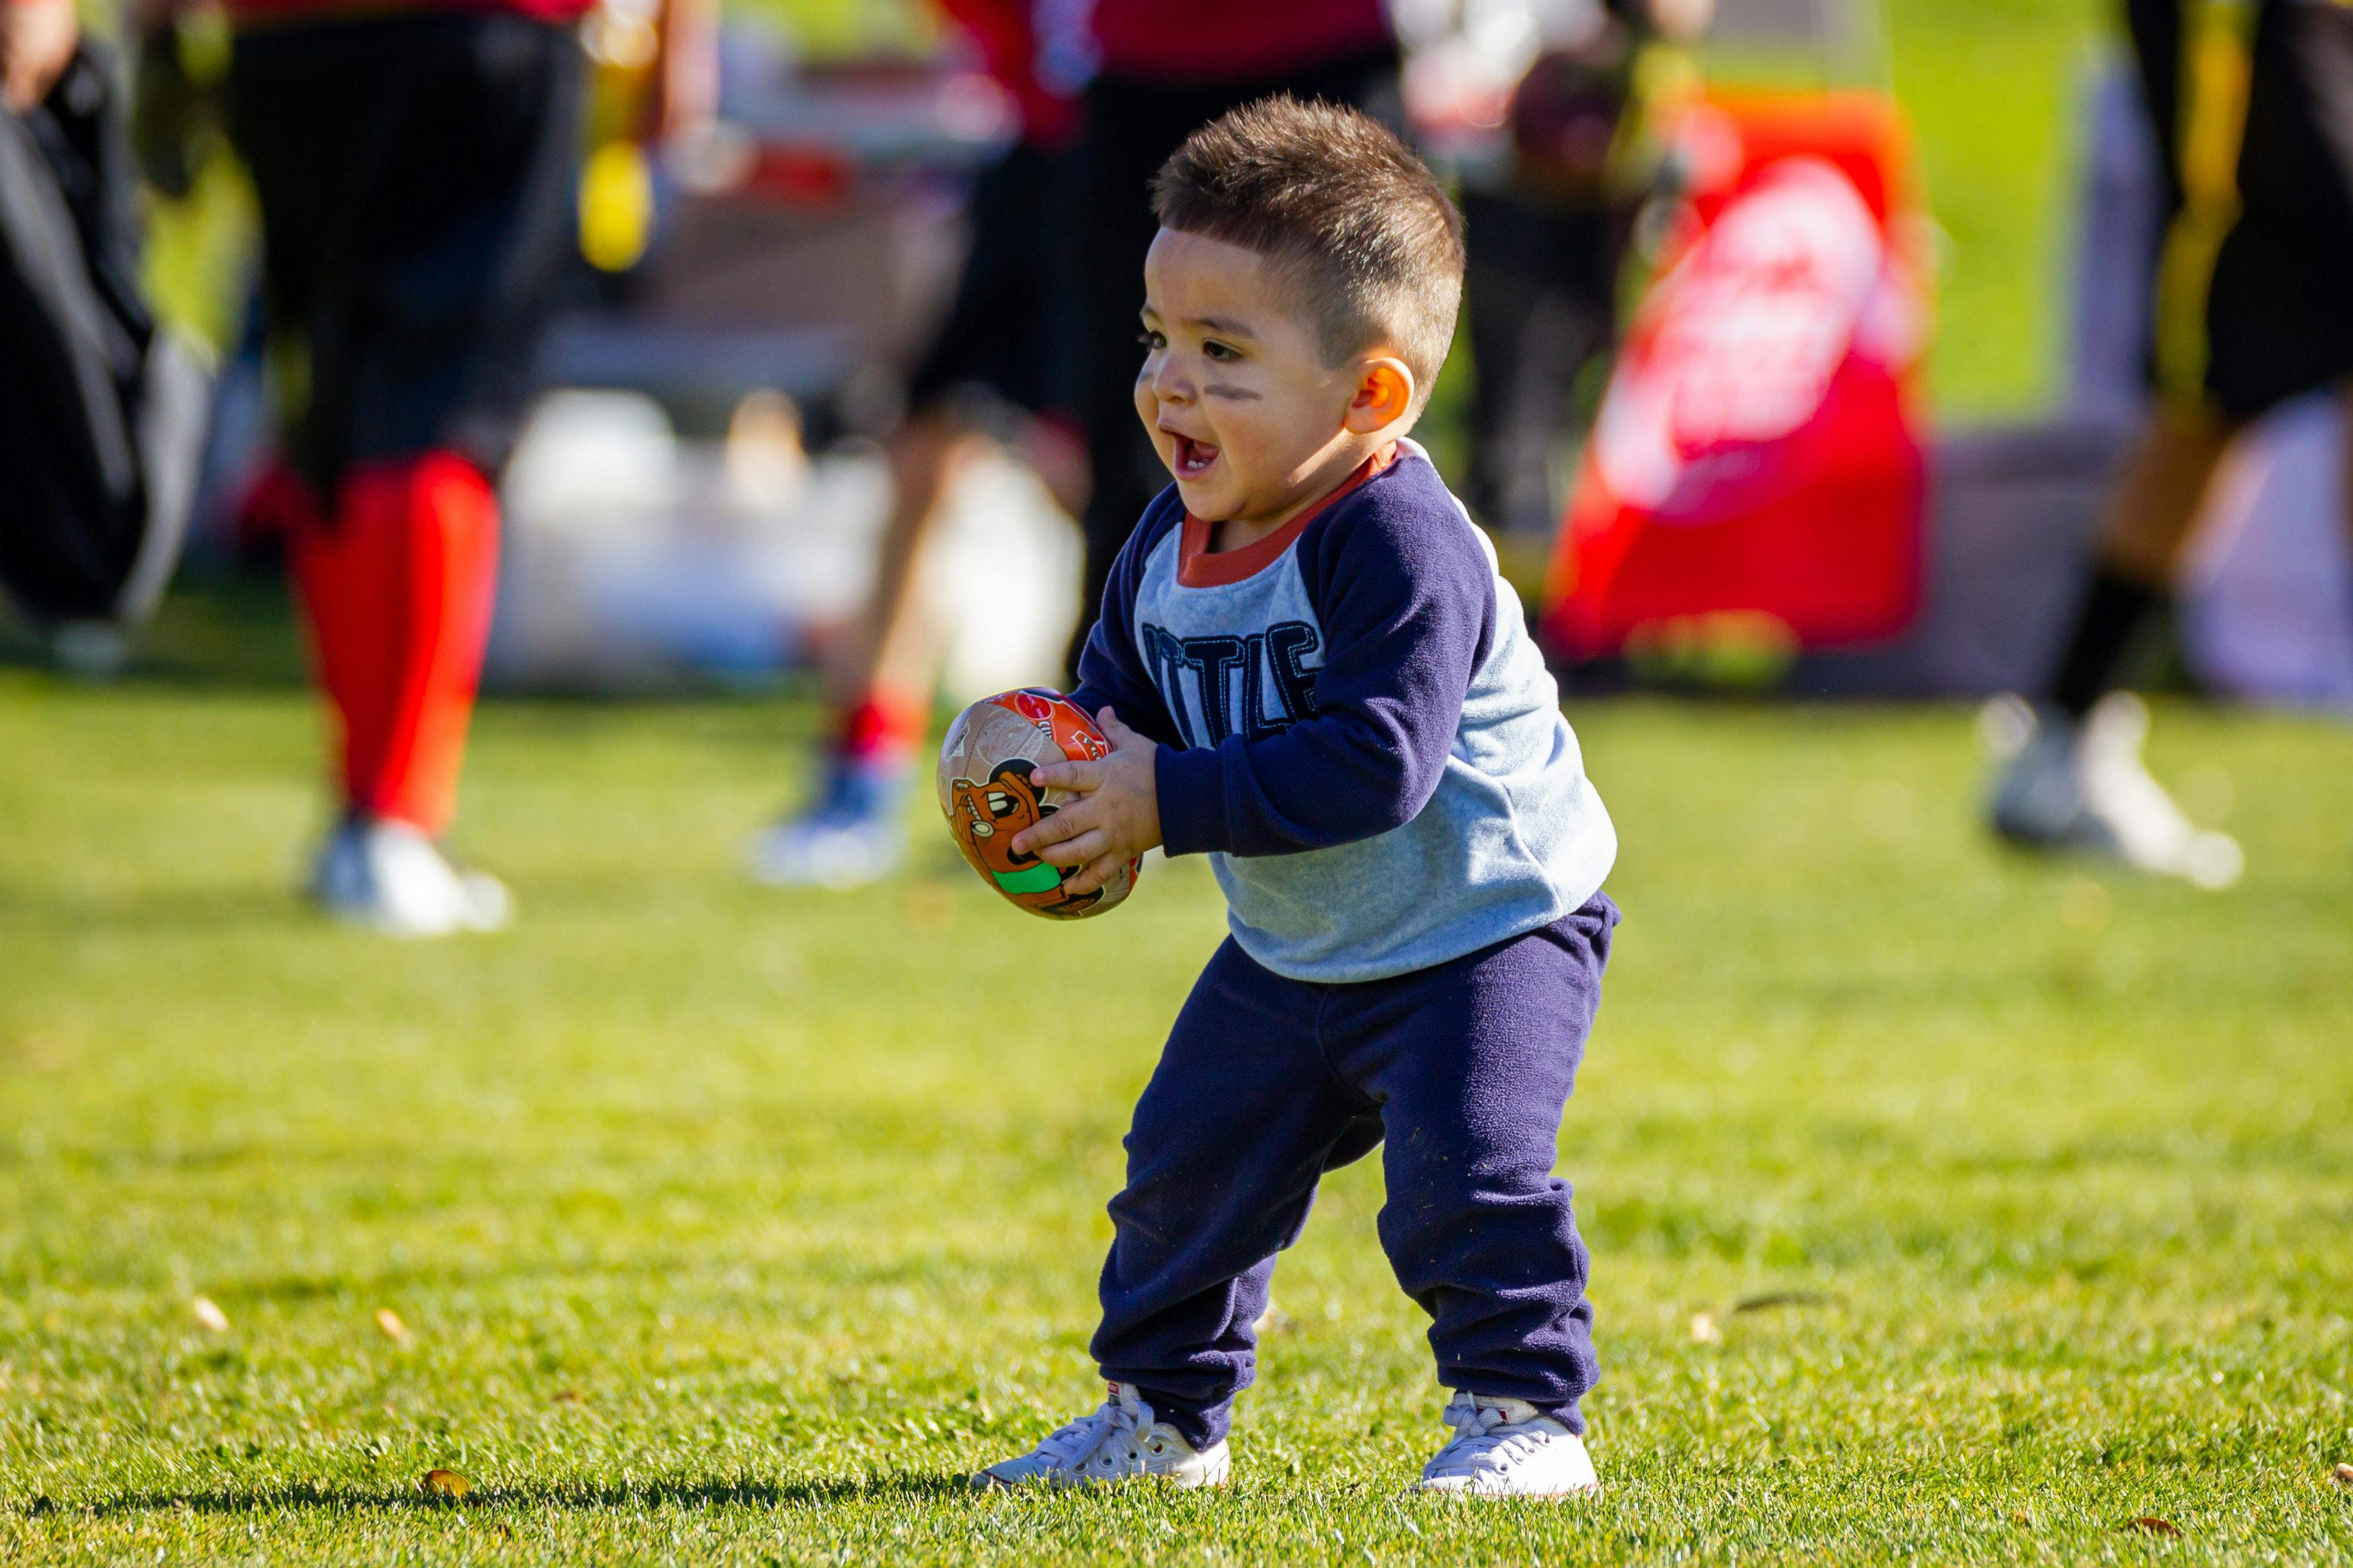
{"x":416,"y":182}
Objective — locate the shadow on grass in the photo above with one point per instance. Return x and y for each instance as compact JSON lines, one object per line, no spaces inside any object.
{"x":738,"y":1493}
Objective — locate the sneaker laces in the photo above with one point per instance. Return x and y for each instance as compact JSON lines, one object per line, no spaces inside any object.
{"x":1488,"y":1438}
{"x":1120,"y":1420}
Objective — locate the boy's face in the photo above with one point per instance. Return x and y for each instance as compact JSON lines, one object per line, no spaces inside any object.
{"x":1234,"y":388}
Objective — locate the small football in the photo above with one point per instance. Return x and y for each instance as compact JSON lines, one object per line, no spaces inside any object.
{"x":987,"y":797}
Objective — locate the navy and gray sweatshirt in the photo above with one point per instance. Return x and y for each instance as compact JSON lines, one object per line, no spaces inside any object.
{"x":1356,"y":729}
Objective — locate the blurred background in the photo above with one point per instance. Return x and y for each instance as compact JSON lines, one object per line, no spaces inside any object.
{"x":700,"y":494}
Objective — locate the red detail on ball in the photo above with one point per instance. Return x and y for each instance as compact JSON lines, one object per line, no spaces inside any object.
{"x":988,"y":796}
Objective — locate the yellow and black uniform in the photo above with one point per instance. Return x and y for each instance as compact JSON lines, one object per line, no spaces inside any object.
{"x":2252,"y":101}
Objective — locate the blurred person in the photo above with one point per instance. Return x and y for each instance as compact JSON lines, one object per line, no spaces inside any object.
{"x":1550,"y":234}
{"x":102,"y":409}
{"x":415,"y":164}
{"x":2253,"y":106}
{"x":1160,"y":69}
{"x":994,"y":378}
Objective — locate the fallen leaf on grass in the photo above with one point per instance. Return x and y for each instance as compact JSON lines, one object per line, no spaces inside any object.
{"x":1704,"y":1329}
{"x":2150,"y":1524}
{"x":389,"y":1321}
{"x":2342,"y":1474}
{"x":210,"y":1315}
{"x":570,"y":1396}
{"x":446,"y":1484}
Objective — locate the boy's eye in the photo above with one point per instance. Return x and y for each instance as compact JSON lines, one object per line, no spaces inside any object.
{"x":1221,"y":351}
{"x":1152,"y":340}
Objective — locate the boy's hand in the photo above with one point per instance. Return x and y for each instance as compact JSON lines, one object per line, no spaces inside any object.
{"x":1116,"y":817}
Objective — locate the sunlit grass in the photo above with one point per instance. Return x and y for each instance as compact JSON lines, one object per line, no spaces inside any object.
{"x":732,"y":1225}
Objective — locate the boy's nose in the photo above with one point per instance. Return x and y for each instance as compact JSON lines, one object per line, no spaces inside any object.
{"x":1171,"y":385}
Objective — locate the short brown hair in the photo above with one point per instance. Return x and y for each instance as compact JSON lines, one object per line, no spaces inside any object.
{"x":1336,"y":202}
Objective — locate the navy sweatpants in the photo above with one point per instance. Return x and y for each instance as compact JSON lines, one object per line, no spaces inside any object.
{"x":1267,"y":1083}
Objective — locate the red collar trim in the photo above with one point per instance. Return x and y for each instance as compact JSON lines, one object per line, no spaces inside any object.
{"x":1199,"y":566}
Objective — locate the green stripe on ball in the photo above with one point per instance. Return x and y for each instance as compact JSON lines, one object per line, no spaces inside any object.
{"x":1038,"y":879}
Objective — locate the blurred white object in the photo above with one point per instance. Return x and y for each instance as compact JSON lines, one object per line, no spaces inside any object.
{"x":632,"y":558}
{"x":91,"y":650}
{"x":388,"y":876}
{"x":2083,"y":786}
{"x":1004,"y":580}
{"x":2266,"y":606}
{"x":827,"y":851}
{"x":593,"y":458}
{"x":1465,"y":58}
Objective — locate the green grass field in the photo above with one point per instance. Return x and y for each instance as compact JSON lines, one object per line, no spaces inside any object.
{"x":1945,"y":1206}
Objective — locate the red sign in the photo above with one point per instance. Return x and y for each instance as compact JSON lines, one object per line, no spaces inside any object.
{"x":1754,"y":454}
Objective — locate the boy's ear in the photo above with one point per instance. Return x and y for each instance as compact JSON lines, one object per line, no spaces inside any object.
{"x":1385,"y":392}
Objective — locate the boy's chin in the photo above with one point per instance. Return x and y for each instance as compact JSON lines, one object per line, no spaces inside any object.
{"x":1210,"y":502}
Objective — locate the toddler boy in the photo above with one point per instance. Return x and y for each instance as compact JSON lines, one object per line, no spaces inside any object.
{"x":1311,"y":672}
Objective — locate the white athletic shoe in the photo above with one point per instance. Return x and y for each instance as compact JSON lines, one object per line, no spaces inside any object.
{"x":1119,"y":1442}
{"x":2085,"y":786}
{"x":852,"y":834}
{"x":825,"y":850}
{"x":1501,"y":1448}
{"x":388,"y":876}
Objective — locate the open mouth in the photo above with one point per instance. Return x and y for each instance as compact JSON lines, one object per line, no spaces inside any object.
{"x":1193,"y":458}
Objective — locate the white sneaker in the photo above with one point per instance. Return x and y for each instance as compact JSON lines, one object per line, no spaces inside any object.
{"x":825,"y":850}
{"x":2085,"y":786}
{"x":854,"y":832}
{"x":2038,"y":798}
{"x":388,"y":876}
{"x":1501,"y":1448}
{"x":1119,"y":1442}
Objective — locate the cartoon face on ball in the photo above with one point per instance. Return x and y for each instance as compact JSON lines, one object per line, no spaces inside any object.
{"x":988,"y":815}
{"x":990,"y":791}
